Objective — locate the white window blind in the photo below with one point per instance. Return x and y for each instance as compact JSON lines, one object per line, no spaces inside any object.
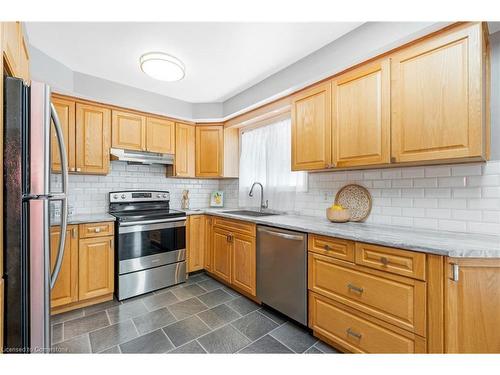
{"x":266,"y":158}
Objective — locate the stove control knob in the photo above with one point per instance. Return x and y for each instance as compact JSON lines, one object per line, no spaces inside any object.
{"x":158,"y":195}
{"x":123,"y":196}
{"x":164,"y":195}
{"x":115,"y":196}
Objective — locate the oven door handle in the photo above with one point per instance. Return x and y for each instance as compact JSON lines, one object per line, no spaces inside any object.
{"x":145,"y":226}
{"x":142,"y":222}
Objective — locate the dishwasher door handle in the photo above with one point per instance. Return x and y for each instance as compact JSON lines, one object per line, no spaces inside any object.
{"x":282,"y":235}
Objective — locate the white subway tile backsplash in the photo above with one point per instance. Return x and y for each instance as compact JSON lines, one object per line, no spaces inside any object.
{"x":425,"y":182}
{"x":412,"y":172}
{"x":486,"y":180}
{"x":438,"y":171}
{"x":452,"y":225}
{"x":467,"y":170}
{"x":452,"y":181}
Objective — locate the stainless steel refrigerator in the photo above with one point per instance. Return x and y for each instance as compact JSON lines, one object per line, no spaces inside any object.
{"x":28,"y":119}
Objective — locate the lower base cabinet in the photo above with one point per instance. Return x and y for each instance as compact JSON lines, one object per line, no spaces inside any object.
{"x":195,"y":242}
{"x":87,"y":271}
{"x":233,"y":249}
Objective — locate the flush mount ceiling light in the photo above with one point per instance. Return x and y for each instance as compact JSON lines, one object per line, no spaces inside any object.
{"x":162,"y":66}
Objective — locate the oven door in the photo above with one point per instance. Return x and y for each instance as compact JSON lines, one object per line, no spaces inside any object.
{"x":147,"y":244}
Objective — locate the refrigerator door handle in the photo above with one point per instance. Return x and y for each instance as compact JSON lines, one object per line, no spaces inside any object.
{"x":63,"y":197}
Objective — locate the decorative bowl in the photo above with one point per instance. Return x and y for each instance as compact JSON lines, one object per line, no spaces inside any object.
{"x":338,"y":216}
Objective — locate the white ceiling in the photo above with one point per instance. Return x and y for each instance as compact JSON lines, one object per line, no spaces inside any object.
{"x":221,"y":59}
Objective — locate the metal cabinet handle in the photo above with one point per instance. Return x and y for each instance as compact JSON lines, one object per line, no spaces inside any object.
{"x":350,"y":332}
{"x":384,"y":261}
{"x":355,"y":288}
{"x":455,"y":271}
{"x":72,"y":169}
{"x":73,"y":232}
{"x":78,"y":169}
{"x":97,"y":230}
{"x":327,"y":247}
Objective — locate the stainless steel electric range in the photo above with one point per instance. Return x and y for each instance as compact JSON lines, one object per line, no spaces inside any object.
{"x":150,"y":242}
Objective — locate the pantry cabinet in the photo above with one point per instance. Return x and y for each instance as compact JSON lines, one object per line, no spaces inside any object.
{"x":361,"y":121}
{"x":472,"y":305}
{"x":312,"y":128}
{"x":195,"y":246}
{"x":93,"y":133}
{"x":87,"y":271}
{"x":128,"y":130}
{"x":438,"y":97}
{"x":160,"y":135}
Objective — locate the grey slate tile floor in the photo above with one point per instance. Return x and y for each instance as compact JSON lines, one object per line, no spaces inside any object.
{"x":199,"y":316}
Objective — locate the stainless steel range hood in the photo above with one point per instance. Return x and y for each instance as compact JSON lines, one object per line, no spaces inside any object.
{"x":141,"y":157}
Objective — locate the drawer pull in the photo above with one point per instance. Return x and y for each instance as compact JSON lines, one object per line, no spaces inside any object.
{"x":384,"y":261}
{"x":327,"y":247}
{"x":97,"y":230}
{"x":350,"y":332}
{"x":355,"y":288}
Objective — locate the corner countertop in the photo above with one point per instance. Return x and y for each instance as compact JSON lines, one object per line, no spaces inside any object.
{"x":85,"y":218}
{"x":451,"y":244}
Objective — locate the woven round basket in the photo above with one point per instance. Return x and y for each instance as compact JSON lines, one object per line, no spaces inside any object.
{"x":357,"y":199}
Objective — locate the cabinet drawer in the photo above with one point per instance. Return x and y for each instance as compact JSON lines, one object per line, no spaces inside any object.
{"x":96,"y":229}
{"x":235,"y":226}
{"x":394,"y":299}
{"x":334,"y":247}
{"x":355,"y":332}
{"x":400,"y":262}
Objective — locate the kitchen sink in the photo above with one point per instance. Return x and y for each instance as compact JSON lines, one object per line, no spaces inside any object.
{"x":249,"y":213}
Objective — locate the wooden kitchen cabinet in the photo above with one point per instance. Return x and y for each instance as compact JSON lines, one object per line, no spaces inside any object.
{"x":65,"y":290}
{"x":93,"y":133}
{"x":438,"y":96}
{"x":312,"y":128}
{"x":12,"y":47}
{"x":209,"y":151}
{"x":195,"y":242}
{"x":66,"y":111}
{"x":128,"y":130}
{"x":361,"y":121}
{"x":96,"y":267}
{"x":221,"y":248}
{"x":160,"y":135}
{"x":243,"y":267}
{"x":24,"y":68}
{"x":472,"y":305}
{"x":208,"y":258}
{"x":184,"y":150}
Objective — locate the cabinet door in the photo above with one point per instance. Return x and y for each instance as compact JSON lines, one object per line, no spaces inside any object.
{"x":93,"y":128}
{"x":244,"y":263}
{"x":311,"y":129}
{"x":437,"y":98}
{"x":129,"y":131}
{"x":65,"y":109}
{"x":96,"y":275}
{"x":12,"y":47}
{"x":66,"y":288}
{"x":209,"y":151}
{"x":208,"y":258}
{"x":196,"y":242}
{"x":361,"y":116}
{"x":221,"y":248}
{"x":160,"y":135}
{"x":472,"y":306}
{"x":184,"y":150}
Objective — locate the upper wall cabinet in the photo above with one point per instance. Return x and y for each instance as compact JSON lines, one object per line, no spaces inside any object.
{"x":93,"y":133}
{"x":15,"y":50}
{"x":361,"y":116}
{"x":65,"y":109}
{"x":160,"y":135}
{"x":438,"y":97}
{"x":184,"y":150}
{"x":87,"y":136}
{"x":128,"y":131}
{"x":209,"y":150}
{"x":311,"y":128}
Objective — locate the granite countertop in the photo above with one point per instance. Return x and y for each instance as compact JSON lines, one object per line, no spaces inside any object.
{"x":85,"y":218}
{"x":450,"y":244}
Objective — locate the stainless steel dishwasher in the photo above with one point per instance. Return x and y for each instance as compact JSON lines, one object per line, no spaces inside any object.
{"x":282,"y":271}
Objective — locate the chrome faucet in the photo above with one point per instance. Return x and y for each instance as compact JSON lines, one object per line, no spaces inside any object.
{"x":250,"y":194}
